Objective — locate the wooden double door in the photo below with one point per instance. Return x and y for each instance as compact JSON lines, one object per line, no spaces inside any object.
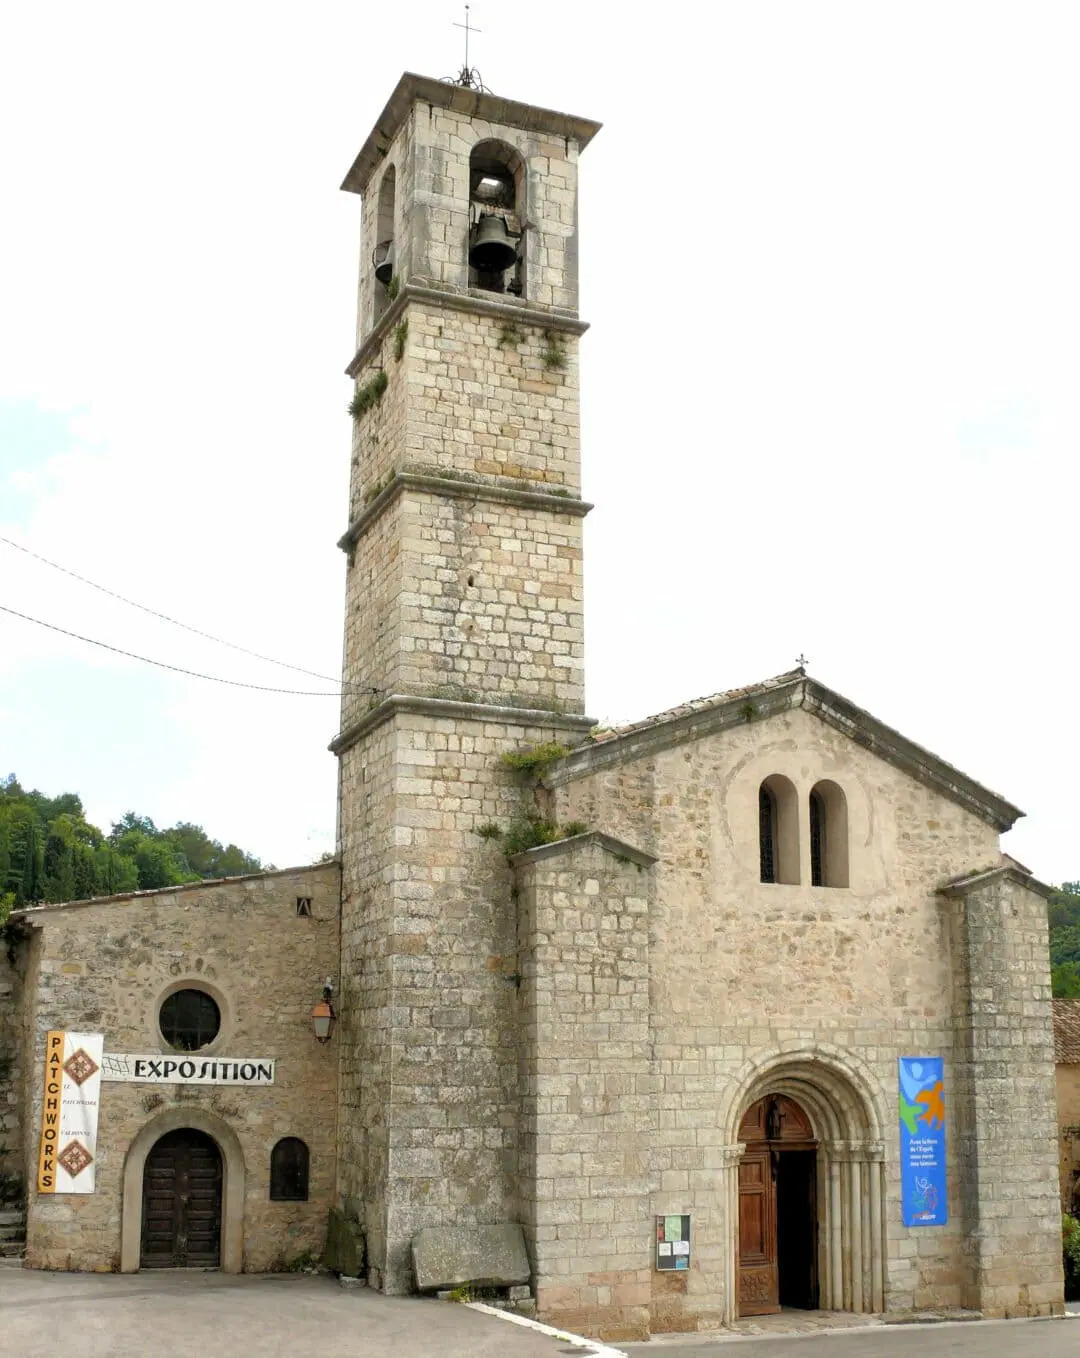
{"x":777,"y":1246}
{"x":181,"y":1204}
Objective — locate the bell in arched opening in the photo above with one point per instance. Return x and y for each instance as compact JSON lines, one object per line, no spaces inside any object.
{"x":382,"y":257}
{"x":492,"y":248}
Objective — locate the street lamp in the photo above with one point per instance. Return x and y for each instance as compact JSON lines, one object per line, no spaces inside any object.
{"x":322,"y":1016}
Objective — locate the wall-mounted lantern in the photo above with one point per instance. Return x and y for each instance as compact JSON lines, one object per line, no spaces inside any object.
{"x":322,"y":1016}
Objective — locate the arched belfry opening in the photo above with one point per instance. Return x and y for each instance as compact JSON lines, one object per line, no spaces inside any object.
{"x":496,"y":218}
{"x":805,"y":1187}
{"x":383,"y":262}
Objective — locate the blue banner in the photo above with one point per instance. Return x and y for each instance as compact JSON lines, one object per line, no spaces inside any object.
{"x":922,"y":1141}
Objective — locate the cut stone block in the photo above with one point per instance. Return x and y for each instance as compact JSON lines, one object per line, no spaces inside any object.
{"x":489,"y":1256}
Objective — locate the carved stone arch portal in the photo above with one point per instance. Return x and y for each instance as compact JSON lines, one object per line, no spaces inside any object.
{"x":232,"y":1187}
{"x":844,"y":1106}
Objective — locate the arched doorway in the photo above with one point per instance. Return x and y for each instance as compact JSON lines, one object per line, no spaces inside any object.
{"x":181,"y":1202}
{"x":841,"y":1100}
{"x":777,"y":1208}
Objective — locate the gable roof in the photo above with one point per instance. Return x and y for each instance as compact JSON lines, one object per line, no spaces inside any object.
{"x":37,"y":914}
{"x":1067,"y":1032}
{"x":734,"y":707}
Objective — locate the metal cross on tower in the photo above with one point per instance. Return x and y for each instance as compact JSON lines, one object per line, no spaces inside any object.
{"x":467,"y":76}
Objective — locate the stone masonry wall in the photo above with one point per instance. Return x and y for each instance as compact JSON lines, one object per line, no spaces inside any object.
{"x":741,"y":969}
{"x":106,"y":966}
{"x":1005,"y":1077}
{"x":467,"y":593}
{"x":1068,"y":1109}
{"x":429,"y":951}
{"x":586,"y":1084}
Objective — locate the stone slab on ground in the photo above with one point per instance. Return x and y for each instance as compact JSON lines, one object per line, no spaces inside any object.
{"x":487,"y":1256}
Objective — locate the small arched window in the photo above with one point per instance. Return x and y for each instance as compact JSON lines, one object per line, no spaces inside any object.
{"x":778,"y":830}
{"x":828,"y":835}
{"x":289,"y":1170}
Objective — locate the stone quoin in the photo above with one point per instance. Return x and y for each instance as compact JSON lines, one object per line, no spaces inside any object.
{"x":635,"y":998}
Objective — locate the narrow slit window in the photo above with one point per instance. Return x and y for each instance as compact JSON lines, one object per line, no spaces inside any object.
{"x":817,"y":840}
{"x":767,"y":833}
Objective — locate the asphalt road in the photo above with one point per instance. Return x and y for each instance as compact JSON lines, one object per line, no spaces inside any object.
{"x":970,"y":1339}
{"x":214,"y":1315}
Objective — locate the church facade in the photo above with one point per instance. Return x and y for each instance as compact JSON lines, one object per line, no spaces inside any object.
{"x":656,"y":994}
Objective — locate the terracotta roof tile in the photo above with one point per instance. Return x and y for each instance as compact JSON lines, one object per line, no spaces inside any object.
{"x":1067,"y":1032}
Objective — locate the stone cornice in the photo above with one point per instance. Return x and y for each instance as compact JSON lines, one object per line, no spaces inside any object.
{"x":456,"y":486}
{"x":424,"y":89}
{"x":964,"y":886}
{"x":518,"y":313}
{"x":616,"y":847}
{"x":644,"y":740}
{"x":455,"y":710}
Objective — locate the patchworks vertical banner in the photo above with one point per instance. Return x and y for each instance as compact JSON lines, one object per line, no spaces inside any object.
{"x":69,"y":1117}
{"x":923,"y":1196}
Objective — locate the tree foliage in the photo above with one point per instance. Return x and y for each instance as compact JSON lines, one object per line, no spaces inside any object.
{"x":1063,"y":909}
{"x":50,"y":852}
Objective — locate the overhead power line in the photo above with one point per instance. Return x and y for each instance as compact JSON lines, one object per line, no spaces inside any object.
{"x":161,"y":664}
{"x":164,"y":617}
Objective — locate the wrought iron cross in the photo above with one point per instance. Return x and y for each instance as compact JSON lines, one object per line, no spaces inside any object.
{"x":801,"y":661}
{"x":468,"y":29}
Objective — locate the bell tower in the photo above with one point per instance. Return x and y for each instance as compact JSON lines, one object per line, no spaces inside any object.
{"x":463,"y":637}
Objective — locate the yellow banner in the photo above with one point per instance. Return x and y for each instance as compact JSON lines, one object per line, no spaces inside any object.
{"x":50,"y":1116}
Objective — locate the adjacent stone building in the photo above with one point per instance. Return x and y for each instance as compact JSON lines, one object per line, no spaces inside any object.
{"x":1067,"y":1059}
{"x":643,"y":991}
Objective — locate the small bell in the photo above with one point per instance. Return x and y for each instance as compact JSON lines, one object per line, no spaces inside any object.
{"x":492,"y":249}
{"x":383,"y":259}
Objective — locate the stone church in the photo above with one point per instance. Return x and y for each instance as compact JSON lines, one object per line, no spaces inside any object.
{"x":653,"y":995}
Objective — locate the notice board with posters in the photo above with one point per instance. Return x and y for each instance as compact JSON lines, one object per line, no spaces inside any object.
{"x":673,"y":1242}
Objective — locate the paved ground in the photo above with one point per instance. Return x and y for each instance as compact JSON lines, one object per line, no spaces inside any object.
{"x":213,"y":1315}
{"x":970,"y":1339}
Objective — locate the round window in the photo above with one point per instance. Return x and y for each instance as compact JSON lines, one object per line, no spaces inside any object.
{"x":189,"y":1019}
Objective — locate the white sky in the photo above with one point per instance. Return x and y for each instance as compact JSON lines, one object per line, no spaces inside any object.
{"x":829,"y":253}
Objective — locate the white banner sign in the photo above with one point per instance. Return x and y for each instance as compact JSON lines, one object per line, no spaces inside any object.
{"x":69,"y":1118}
{"x":156,"y":1069}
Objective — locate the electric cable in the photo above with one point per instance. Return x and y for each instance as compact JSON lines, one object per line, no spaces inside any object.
{"x":164,"y":617}
{"x":161,"y":664}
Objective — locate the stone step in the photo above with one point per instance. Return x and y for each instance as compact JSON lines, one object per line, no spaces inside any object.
{"x":12,"y":1249}
{"x":10,"y":1233}
{"x":12,"y":1216}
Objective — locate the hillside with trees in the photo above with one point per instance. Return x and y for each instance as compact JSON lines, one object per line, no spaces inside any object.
{"x":50,"y":852}
{"x":1064,"y":911}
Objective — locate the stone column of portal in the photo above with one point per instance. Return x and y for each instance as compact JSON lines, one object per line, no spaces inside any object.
{"x":1003,"y":1116}
{"x":836,"y":1253}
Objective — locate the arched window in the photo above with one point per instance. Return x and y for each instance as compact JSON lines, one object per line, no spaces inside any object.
{"x":828,"y":835}
{"x":382,"y":259}
{"x":289,"y":1171}
{"x":496,"y":207}
{"x":778,"y":830}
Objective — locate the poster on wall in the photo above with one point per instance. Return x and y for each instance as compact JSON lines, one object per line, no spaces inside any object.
{"x":922,"y":1141}
{"x":69,"y":1116}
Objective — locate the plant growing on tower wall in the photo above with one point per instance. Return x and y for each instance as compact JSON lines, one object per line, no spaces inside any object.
{"x":370,"y":394}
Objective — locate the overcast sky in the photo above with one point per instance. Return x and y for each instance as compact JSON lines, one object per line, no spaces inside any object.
{"x":829,"y":256}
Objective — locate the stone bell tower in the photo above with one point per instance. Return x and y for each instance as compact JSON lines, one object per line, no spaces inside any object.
{"x":463,"y":637}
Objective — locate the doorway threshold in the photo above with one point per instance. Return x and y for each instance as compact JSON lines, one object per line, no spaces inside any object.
{"x":788,"y":1320}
